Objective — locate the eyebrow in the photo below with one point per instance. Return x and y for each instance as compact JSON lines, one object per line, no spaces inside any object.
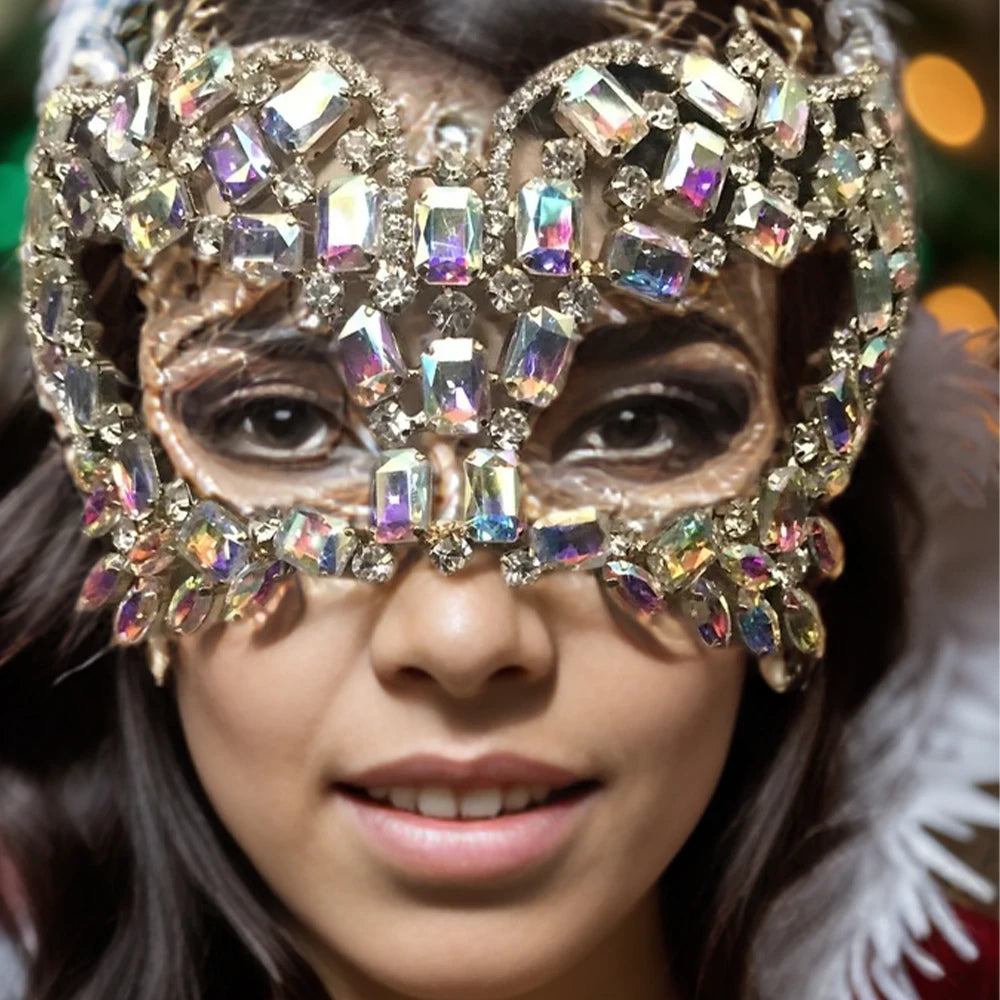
{"x":652,"y":335}
{"x":280,"y":340}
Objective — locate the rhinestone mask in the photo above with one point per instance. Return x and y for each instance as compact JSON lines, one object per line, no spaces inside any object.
{"x":286,"y":160}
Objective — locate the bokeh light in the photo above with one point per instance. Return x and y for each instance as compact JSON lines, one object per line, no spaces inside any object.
{"x":961,"y":307}
{"x":943,"y":100}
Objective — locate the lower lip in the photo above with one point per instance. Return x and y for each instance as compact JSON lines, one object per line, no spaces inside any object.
{"x":468,"y":849}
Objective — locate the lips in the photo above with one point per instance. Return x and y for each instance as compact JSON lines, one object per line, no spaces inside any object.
{"x":486,"y":771}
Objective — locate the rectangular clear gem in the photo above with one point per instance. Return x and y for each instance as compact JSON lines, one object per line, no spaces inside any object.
{"x":369,"y":357}
{"x":401,"y":496}
{"x":456,"y":385}
{"x":299,"y":116}
{"x":573,"y":539}
{"x":316,"y":542}
{"x":157,"y":216}
{"x":448,"y":235}
{"x":873,"y":291}
{"x":538,"y":357}
{"x":238,"y":159}
{"x":885,"y":202}
{"x":349,"y":223}
{"x":202,"y":85}
{"x":694,"y":172}
{"x":717,"y":91}
{"x":492,"y":496}
{"x":271,"y":243}
{"x":595,"y":106}
{"x":547,"y":223}
{"x":766,"y":224}
{"x":648,"y":262}
{"x":783,"y":114}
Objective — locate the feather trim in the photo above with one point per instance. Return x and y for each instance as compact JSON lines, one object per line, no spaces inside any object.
{"x":919,"y":751}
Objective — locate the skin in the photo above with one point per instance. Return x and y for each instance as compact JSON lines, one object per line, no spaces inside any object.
{"x":346,"y":676}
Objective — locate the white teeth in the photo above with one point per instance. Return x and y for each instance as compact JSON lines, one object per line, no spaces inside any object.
{"x":481,"y":804}
{"x":516,"y":797}
{"x":403,"y":798}
{"x":443,"y":803}
{"x":437,"y":802}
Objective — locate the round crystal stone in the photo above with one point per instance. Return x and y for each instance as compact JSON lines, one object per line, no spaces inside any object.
{"x":509,"y":427}
{"x":453,"y":313}
{"x":745,"y":164}
{"x":823,"y":118}
{"x":390,"y":424}
{"x":580,"y":298}
{"x":564,"y":158}
{"x":373,"y":563}
{"x":661,"y":110}
{"x":520,"y":567}
{"x":322,"y":295}
{"x":451,"y":552}
{"x":708,"y":252}
{"x":358,"y":149}
{"x":185,"y":153}
{"x":208,"y":237}
{"x":294,"y":186}
{"x":630,"y":187}
{"x":393,"y":288}
{"x":737,"y":518}
{"x":785,"y":183}
{"x":510,"y":290}
{"x":859,"y":225}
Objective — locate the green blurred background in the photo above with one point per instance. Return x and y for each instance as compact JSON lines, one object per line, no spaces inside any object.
{"x":950,"y":88}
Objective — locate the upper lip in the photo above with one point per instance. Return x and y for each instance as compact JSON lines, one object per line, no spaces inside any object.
{"x":487,"y":771}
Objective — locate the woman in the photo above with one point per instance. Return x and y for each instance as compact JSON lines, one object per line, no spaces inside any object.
{"x":352,"y":370}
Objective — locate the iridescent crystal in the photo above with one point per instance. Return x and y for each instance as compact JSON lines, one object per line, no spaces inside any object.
{"x":683,"y":551}
{"x":826,"y":547}
{"x":758,"y":623}
{"x":510,"y":289}
{"x":100,"y":511}
{"x":648,"y":261}
{"x":564,"y":158}
{"x":91,"y":393}
{"x":717,"y":91}
{"x":694,"y":172}
{"x":636,"y":589}
{"x":595,"y":106}
{"x":886,"y":206}
{"x":456,"y":386}
{"x":783,"y":113}
{"x":881,"y":113}
{"x":708,"y":609}
{"x":838,"y":406}
{"x":191,"y":605}
{"x":300,"y":115}
{"x":257,"y":590}
{"x":783,"y":509}
{"x":520,"y":567}
{"x":575,"y":539}
{"x":369,"y":357}
{"x":903,"y":270}
{"x":316,"y":542}
{"x":448,"y":235}
{"x":750,"y":567}
{"x":874,"y":361}
{"x":152,"y":552}
{"x":137,"y":613}
{"x":349,"y":223}
{"x":79,"y":196}
{"x":766,"y":224}
{"x":136,"y":477}
{"x":132,"y":120}
{"x":213,"y":540}
{"x":157,"y":216}
{"x":55,"y":298}
{"x":268,"y":243}
{"x":839,"y":177}
{"x":238,"y":159}
{"x":401,"y":496}
{"x":547,"y":224}
{"x":873,"y":290}
{"x":450,"y":551}
{"x":105,"y":583}
{"x":803,"y":623}
{"x":453,"y":313}
{"x":200,"y":86}
{"x":373,"y":563}
{"x":539,"y":354}
{"x":492,"y":508}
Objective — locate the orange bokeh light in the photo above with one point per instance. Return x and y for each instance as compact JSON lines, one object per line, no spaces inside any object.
{"x":943,"y":100}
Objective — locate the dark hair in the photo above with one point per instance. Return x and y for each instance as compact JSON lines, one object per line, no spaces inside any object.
{"x":136,"y":890}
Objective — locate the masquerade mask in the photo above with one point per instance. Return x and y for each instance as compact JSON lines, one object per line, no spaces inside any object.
{"x":279,"y":176}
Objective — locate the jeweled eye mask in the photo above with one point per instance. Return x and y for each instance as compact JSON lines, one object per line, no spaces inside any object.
{"x":285,"y":162}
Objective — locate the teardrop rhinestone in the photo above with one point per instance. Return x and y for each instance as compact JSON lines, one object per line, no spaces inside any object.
{"x":105,"y":583}
{"x":826,"y":547}
{"x":192,"y":605}
{"x":758,"y":624}
{"x":708,"y":609}
{"x":634,"y":588}
{"x":750,"y":567}
{"x":257,"y":590}
{"x":783,"y":508}
{"x":137,"y":613}
{"x":803,"y":623}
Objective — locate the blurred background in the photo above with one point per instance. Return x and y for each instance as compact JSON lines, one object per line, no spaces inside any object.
{"x":950,"y":87}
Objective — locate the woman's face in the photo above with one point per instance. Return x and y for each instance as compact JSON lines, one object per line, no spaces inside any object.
{"x":660,"y":413}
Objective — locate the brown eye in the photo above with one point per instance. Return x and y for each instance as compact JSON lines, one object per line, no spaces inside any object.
{"x":633,"y":427}
{"x":276,"y":428}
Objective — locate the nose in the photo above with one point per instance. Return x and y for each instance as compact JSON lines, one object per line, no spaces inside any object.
{"x":467,"y":634}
